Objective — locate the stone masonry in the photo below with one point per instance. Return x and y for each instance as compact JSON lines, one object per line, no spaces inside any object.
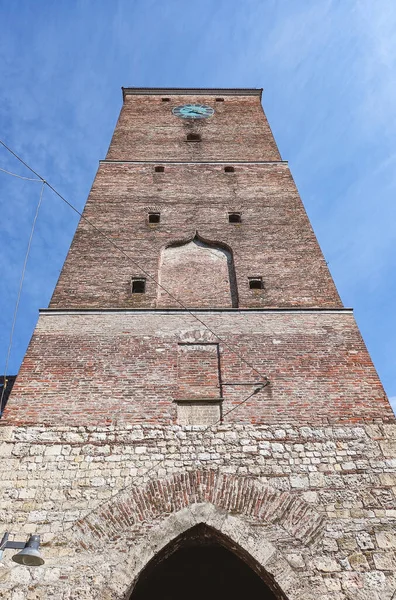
{"x":128,"y":427}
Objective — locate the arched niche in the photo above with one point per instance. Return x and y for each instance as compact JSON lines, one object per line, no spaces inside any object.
{"x":199,"y":273}
{"x":203,"y":563}
{"x":145,"y":523}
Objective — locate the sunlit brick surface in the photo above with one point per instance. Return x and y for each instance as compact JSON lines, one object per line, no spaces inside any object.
{"x":100,"y":368}
{"x":147,"y":130}
{"x":274,"y":240}
{"x":133,"y":421}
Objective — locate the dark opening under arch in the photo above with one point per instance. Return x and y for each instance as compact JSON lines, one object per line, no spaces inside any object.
{"x":203,"y":565}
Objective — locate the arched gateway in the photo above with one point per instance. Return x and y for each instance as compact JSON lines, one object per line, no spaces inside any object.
{"x":138,"y":441}
{"x":207,"y":564}
{"x":225,"y":531}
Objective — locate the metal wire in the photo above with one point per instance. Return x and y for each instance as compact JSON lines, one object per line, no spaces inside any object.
{"x":262,"y":384}
{"x":19,"y":176}
{"x":134,"y":262}
{"x":19,"y":297}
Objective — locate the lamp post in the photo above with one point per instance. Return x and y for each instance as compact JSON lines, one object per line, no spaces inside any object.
{"x":29,"y":554}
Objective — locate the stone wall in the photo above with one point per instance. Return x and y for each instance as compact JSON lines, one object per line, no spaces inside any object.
{"x":315,"y":507}
{"x":299,"y":478}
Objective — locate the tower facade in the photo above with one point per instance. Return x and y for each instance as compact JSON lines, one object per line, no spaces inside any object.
{"x":196,"y":394}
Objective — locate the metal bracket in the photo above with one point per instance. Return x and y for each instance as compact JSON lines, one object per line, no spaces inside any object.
{"x":5,"y":543}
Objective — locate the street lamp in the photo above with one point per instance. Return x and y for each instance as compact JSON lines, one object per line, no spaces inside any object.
{"x":29,"y":554}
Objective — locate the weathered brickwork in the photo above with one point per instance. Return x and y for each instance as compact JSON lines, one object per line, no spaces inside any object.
{"x":315,"y":506}
{"x":274,"y":240}
{"x":136,"y":424}
{"x":119,"y":367}
{"x":147,"y":130}
{"x":183,"y":276}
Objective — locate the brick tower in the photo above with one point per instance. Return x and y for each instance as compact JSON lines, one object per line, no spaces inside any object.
{"x":196,"y":407}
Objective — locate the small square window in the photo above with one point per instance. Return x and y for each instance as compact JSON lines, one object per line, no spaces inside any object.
{"x":193,"y":137}
{"x":229,"y":170}
{"x":165,"y":99}
{"x":154,"y":218}
{"x":234,"y":217}
{"x":138,"y":285}
{"x":159,"y":169}
{"x":255,"y":283}
{"x":219,"y":99}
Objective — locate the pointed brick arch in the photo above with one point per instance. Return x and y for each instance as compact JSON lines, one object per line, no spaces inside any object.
{"x":233,"y":494}
{"x":133,"y":526}
{"x":199,"y":273}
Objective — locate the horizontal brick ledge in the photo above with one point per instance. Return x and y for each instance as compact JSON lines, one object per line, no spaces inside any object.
{"x":133,"y":91}
{"x":195,"y":162}
{"x":198,"y":400}
{"x":166,"y":311}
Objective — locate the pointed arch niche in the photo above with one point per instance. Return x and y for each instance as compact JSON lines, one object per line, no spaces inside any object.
{"x":199,"y":273}
{"x":203,"y":563}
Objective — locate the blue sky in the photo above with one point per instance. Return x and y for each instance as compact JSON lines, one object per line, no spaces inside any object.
{"x":328,"y":69}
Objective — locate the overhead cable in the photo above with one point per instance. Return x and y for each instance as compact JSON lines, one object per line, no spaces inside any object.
{"x":19,"y":176}
{"x":19,"y":297}
{"x":261,"y":384}
{"x":135,"y":263}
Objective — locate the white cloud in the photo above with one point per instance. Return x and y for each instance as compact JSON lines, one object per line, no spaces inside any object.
{"x":328,"y":70}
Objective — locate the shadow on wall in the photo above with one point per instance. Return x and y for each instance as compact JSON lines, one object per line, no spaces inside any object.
{"x":201,"y":562}
{"x":198,"y":273}
{"x":6,"y":384}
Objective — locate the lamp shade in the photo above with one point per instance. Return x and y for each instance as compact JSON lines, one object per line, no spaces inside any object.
{"x":30,"y":555}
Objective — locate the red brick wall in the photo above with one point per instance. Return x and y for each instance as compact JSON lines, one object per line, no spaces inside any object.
{"x":147,"y":130}
{"x":109,"y":367}
{"x":198,"y":371}
{"x":198,"y":275}
{"x":274,"y":240}
{"x":120,"y":367}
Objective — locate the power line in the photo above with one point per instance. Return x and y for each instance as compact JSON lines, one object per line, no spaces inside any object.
{"x":111,"y":241}
{"x":257,"y":390}
{"x":161,"y":460}
{"x":19,"y":297}
{"x":19,"y":176}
